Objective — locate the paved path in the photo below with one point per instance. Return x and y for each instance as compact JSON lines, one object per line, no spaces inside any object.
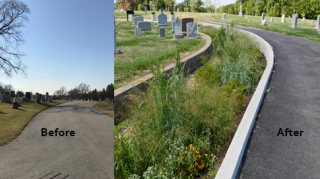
{"x":88,"y":154}
{"x":292,"y":101}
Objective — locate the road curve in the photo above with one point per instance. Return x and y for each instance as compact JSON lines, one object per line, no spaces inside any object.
{"x":88,"y":154}
{"x":292,"y":101}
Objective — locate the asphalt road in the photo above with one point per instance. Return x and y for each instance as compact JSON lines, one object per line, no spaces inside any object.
{"x":292,"y":101}
{"x":88,"y":154}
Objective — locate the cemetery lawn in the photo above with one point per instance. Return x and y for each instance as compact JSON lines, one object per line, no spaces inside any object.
{"x":105,"y":108}
{"x":306,"y":31}
{"x":141,"y":53}
{"x":13,"y":121}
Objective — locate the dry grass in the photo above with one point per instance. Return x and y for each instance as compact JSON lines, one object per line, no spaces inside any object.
{"x":13,"y":121}
{"x":105,"y":108}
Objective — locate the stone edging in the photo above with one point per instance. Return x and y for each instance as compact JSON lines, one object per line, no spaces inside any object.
{"x":233,"y":158}
{"x":190,"y":64}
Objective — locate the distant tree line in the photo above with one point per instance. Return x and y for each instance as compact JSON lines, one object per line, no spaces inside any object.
{"x":275,"y":8}
{"x":83,"y":92}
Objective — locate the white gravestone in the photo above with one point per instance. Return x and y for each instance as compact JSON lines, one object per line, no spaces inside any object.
{"x":271,"y":20}
{"x":178,"y":10}
{"x":240,"y":11}
{"x":312,"y":22}
{"x":191,"y":30}
{"x":18,"y":100}
{"x":121,"y":11}
{"x":130,"y":17}
{"x":138,"y":32}
{"x":178,"y":30}
{"x":116,"y":50}
{"x":304,"y":18}
{"x":318,"y":23}
{"x":162,"y":20}
{"x":283,"y":18}
{"x":264,"y":22}
{"x":249,"y":20}
{"x":173,"y":23}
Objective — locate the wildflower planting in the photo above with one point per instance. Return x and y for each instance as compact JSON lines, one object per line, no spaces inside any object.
{"x":173,"y":131}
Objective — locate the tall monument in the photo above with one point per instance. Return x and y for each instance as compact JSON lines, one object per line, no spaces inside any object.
{"x":240,"y":11}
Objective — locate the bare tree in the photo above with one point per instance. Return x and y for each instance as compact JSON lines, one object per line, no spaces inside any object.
{"x":12,"y":15}
{"x":63,"y":91}
{"x":8,"y":87}
{"x":83,"y":88}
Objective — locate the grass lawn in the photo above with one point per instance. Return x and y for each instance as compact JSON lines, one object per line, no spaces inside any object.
{"x":141,"y":53}
{"x":105,"y":108}
{"x":12,"y":121}
{"x":306,"y":30}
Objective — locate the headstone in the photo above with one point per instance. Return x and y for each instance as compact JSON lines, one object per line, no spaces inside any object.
{"x":312,"y":22}
{"x":246,"y":17}
{"x":14,"y":105}
{"x":184,"y":22}
{"x":240,"y":11}
{"x":289,"y":17}
{"x":18,"y":100}
{"x":144,"y":26}
{"x":137,"y":19}
{"x":116,"y":50}
{"x":198,"y":30}
{"x":173,"y":23}
{"x":20,"y":94}
{"x":264,"y":22}
{"x":178,"y":30}
{"x":299,"y":25}
{"x":304,"y":18}
{"x":138,"y":32}
{"x":271,"y":20}
{"x":262,"y":17}
{"x":162,"y":20}
{"x":47,"y":95}
{"x":191,"y":30}
{"x":223,"y":16}
{"x":38,"y":100}
{"x":178,"y":10}
{"x":43,"y":98}
{"x":161,"y":11}
{"x":249,"y":20}
{"x":121,"y":11}
{"x":172,"y":17}
{"x":162,"y":32}
{"x":12,"y":94}
{"x":294,"y":21}
{"x":153,"y":17}
{"x":28,"y":95}
{"x":283,"y":18}
{"x":25,"y":99}
{"x":318,"y":23}
{"x":5,"y":98}
{"x":50,"y":99}
{"x":130,"y":17}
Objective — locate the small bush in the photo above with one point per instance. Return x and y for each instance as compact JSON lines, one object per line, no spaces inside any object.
{"x":153,"y":13}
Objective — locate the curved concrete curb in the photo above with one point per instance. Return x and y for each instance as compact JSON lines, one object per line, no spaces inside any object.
{"x":190,"y":64}
{"x":232,"y":160}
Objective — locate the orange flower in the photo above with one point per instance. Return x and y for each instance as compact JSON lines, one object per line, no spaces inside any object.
{"x":187,"y":148}
{"x":200,"y":156}
{"x":195,"y":170}
{"x":185,"y":172}
{"x":176,"y":163}
{"x":196,"y":164}
{"x":182,"y":157}
{"x":190,"y":145}
{"x":206,"y":155}
{"x":195,"y":156}
{"x":181,"y":169}
{"x":194,"y":149}
{"x":188,"y":169}
{"x":202,"y":160}
{"x":187,"y":163}
{"x":186,"y":159}
{"x":200,"y":166}
{"x":178,"y":173}
{"x":197,"y":151}
{"x":195,"y":159}
{"x":203,"y":165}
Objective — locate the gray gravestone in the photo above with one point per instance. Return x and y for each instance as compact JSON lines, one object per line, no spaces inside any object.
{"x":5,"y":98}
{"x":294,"y":21}
{"x":178,"y":30}
{"x":130,"y":17}
{"x":145,"y":26}
{"x":50,"y":99}
{"x":136,"y":20}
{"x":304,"y":18}
{"x":262,"y":17}
{"x":264,"y":22}
{"x":153,"y":17}
{"x":283,"y":18}
{"x":249,"y":20}
{"x":271,"y":20}
{"x":138,"y":32}
{"x":289,"y":17}
{"x":116,"y":50}
{"x":121,"y":11}
{"x":14,"y":105}
{"x":184,"y":22}
{"x":43,"y":98}
{"x":191,"y":30}
{"x":299,"y":25}
{"x":173,"y":23}
{"x":318,"y":23}
{"x":162,"y":20}
{"x":312,"y":22}
{"x":25,"y":99}
{"x":47,"y":95}
{"x":178,"y":10}
{"x":162,"y":32}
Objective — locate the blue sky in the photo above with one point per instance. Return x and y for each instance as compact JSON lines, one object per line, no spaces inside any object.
{"x":67,"y":42}
{"x":222,"y":2}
